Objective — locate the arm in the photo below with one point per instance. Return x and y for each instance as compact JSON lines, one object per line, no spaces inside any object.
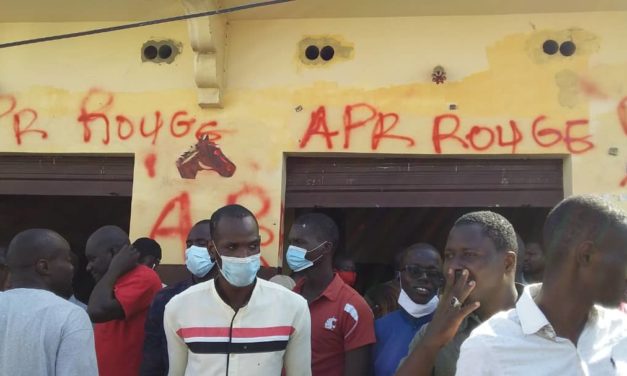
{"x":103,"y":306}
{"x":357,"y":361}
{"x":154,"y":338}
{"x":76,"y":355}
{"x":298,"y":351}
{"x":441,"y":330}
{"x":177,"y":350}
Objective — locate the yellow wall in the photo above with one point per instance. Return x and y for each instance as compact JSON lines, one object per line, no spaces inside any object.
{"x":496,"y":70}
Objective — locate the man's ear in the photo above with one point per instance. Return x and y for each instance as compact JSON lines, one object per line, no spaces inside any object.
{"x":584,"y":252}
{"x":213,"y":253}
{"x":42,"y":267}
{"x":510,"y":261}
{"x":328,"y":247}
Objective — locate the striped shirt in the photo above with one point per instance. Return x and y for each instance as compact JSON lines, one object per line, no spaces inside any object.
{"x":206,"y":336}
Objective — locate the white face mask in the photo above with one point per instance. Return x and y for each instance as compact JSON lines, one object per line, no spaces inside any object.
{"x":414,"y":309}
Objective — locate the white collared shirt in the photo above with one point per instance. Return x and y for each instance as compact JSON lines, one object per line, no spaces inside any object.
{"x":521,"y":341}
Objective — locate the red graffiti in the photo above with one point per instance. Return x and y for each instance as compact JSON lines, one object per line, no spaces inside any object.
{"x":183,"y":224}
{"x":23,"y":120}
{"x":623,"y":183}
{"x":149,"y":163}
{"x":478,"y":138}
{"x":259,"y":194}
{"x":483,"y":137}
{"x":318,"y":126}
{"x":95,"y":110}
{"x":622,"y":114}
{"x":360,"y":115}
{"x":591,"y":89}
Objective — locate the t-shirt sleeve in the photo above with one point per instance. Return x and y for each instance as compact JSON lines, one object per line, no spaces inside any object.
{"x":136,"y":290}
{"x":76,"y":355}
{"x":357,"y":324}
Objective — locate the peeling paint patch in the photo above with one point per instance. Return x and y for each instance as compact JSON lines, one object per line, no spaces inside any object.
{"x":322,"y":50}
{"x":586,"y":44}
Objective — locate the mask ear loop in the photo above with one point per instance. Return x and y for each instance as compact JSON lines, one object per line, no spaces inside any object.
{"x":319,"y":257}
{"x":216,"y":260}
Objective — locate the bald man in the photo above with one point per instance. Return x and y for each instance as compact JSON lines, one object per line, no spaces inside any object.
{"x":120,"y":300}
{"x":40,"y":332}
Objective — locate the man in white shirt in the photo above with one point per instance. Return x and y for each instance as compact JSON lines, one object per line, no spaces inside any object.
{"x":560,"y":326}
{"x":41,"y":333}
{"x":236,"y":323}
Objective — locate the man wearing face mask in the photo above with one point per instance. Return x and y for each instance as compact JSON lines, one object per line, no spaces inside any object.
{"x":201,"y":267}
{"x":345,"y":267}
{"x":236,"y":323}
{"x":342,"y":324}
{"x":420,"y":279}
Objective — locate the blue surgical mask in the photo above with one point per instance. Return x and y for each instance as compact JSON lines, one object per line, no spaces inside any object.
{"x":240,"y":271}
{"x":198,"y":261}
{"x":296,"y":258}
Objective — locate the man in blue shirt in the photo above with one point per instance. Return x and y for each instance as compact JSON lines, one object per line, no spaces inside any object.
{"x":420,"y":278}
{"x":200,"y":265}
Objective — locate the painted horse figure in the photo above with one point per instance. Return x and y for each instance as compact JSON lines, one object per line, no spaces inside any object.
{"x":205,"y":155}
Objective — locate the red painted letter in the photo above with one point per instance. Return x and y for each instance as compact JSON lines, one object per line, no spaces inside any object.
{"x":318,"y":125}
{"x":183,"y":223}
{"x":380,"y":131}
{"x":348,"y":120}
{"x":437,"y":137}
{"x":87,"y":117}
{"x":571,"y":141}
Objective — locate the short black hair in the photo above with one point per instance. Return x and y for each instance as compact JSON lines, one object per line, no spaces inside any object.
{"x":417,"y":246}
{"x":30,"y":245}
{"x":580,"y":218}
{"x":147,"y":247}
{"x":108,"y":237}
{"x":229,"y":211}
{"x":202,"y":222}
{"x":322,"y":226}
{"x":494,"y":226}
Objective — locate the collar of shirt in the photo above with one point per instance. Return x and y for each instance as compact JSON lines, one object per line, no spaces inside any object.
{"x":331,"y":292}
{"x":533,"y":321}
{"x":412,"y":321}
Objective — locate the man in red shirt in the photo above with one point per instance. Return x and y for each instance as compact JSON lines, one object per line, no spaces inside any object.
{"x":119,"y":302}
{"x":342,"y":324}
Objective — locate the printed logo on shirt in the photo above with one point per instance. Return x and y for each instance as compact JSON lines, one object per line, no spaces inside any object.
{"x":330,"y":323}
{"x":351,"y":311}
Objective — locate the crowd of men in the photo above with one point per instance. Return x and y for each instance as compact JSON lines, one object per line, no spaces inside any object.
{"x":477,"y":307}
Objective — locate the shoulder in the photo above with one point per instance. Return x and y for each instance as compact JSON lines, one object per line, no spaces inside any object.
{"x":388,"y":319}
{"x":351,"y":298}
{"x":612,"y":321}
{"x":500,"y":326}
{"x":280,"y":293}
{"x":192,"y":292}
{"x":140,"y":275}
{"x":385,"y":325}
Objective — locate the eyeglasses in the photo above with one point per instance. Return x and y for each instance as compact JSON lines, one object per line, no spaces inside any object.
{"x":417,"y":271}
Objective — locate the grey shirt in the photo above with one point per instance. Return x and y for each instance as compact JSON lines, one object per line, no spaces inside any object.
{"x":446,"y":360}
{"x":43,"y":334}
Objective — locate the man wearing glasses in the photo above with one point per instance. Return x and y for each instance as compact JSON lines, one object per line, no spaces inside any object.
{"x":420,"y":279}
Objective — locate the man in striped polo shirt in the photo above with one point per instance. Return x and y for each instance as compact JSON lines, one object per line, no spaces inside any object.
{"x":237,"y":324}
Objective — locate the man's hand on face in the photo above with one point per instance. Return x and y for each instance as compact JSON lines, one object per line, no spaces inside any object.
{"x":125,"y":260}
{"x":452,"y":309}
